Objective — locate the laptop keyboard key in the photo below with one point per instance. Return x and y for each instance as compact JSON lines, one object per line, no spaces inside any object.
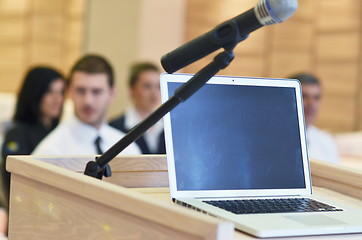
{"x":281,"y":205}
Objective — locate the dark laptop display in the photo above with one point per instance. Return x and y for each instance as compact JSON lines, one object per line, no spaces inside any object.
{"x":224,"y":136}
{"x":237,"y":150}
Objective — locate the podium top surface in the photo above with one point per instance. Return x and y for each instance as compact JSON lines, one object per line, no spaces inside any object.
{"x":33,"y":181}
{"x":338,"y":183}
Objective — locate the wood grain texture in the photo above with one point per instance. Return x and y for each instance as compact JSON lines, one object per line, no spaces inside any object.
{"x":337,"y":113}
{"x":139,"y":179}
{"x":127,"y":171}
{"x":120,"y":163}
{"x":339,"y":79}
{"x":338,"y":47}
{"x":351,"y":161}
{"x":342,"y":179}
{"x":46,"y":200}
{"x":338,"y":15}
{"x":38,"y":32}
{"x":62,"y":215}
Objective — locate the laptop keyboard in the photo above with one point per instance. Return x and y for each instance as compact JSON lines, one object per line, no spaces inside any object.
{"x":281,"y":205}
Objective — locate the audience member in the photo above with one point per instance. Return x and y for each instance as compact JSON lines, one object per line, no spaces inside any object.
{"x":91,"y":89}
{"x":144,"y":84}
{"x":38,"y":110}
{"x":321,"y":145}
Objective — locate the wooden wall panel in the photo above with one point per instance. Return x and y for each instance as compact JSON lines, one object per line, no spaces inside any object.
{"x":291,"y":64}
{"x":13,"y":7}
{"x":46,"y":6}
{"x":38,"y":32}
{"x":339,"y":78}
{"x":338,"y":15}
{"x":337,"y":56}
{"x":358,"y":86}
{"x":299,"y":41}
{"x":306,"y":11}
{"x":12,"y":34}
{"x":322,"y":37}
{"x":245,"y":66}
{"x":46,"y":52}
{"x":337,"y":113}
{"x":12,"y":29}
{"x":73,"y":30}
{"x":337,"y":47}
{"x":253,"y":45}
{"x":47,"y":27}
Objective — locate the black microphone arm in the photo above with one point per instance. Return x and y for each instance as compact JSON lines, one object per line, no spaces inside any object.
{"x":266,"y":12}
{"x":227,"y":35}
{"x":220,"y":37}
{"x":100,"y":168}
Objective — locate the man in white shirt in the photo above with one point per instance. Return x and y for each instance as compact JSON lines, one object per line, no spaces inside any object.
{"x":91,"y":88}
{"x":321,"y":145}
{"x":144,"y":85}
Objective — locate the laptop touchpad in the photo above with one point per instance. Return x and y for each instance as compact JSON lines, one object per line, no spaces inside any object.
{"x":315,"y":220}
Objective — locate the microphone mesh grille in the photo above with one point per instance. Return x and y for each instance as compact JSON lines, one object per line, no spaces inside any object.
{"x":275,"y":11}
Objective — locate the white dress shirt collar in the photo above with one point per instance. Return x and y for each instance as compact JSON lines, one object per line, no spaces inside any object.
{"x":132,"y":118}
{"x":84,"y":131}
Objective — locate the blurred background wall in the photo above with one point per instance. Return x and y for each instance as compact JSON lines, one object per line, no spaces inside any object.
{"x":323,"y":37}
{"x":129,"y":31}
{"x":38,"y":32}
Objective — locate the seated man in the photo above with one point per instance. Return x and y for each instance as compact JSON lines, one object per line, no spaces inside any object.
{"x":321,"y":145}
{"x":91,"y":88}
{"x":144,"y":84}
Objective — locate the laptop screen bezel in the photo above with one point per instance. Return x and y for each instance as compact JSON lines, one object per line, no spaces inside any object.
{"x":231,"y":80}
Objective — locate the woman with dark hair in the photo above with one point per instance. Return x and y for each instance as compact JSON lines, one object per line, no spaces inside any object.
{"x":38,"y":110}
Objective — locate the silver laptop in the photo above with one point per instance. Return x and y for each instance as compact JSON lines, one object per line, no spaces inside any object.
{"x":237,"y":150}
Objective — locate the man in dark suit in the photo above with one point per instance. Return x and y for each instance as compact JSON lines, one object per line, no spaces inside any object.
{"x":144,"y":84}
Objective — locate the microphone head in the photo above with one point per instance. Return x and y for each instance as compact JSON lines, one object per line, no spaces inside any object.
{"x":275,"y":11}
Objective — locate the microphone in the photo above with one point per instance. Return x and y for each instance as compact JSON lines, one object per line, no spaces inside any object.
{"x":229,"y":33}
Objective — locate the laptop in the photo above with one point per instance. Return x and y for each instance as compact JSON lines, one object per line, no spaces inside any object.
{"x":237,"y":150}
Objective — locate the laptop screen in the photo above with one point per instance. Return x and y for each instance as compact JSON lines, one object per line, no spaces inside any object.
{"x":237,"y":137}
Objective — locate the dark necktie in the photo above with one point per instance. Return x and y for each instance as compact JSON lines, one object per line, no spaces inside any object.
{"x":98,"y":146}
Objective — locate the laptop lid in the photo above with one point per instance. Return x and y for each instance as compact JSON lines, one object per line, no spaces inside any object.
{"x":235,"y":137}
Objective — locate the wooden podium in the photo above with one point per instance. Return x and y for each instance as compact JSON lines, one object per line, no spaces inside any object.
{"x":51,"y":202}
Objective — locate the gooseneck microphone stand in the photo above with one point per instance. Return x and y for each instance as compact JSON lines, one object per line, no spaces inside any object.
{"x":227,"y":37}
{"x":100,"y":167}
